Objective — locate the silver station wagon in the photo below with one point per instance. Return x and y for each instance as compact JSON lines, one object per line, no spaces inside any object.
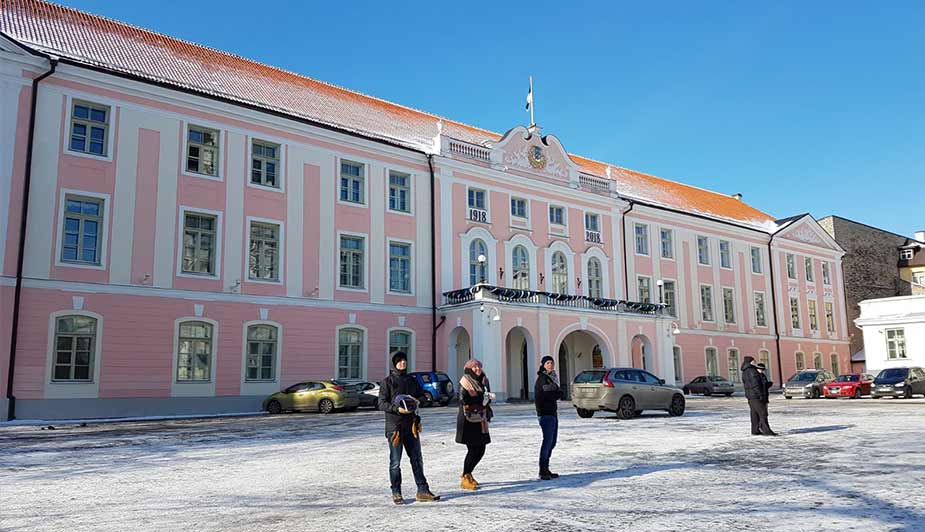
{"x":625,"y":391}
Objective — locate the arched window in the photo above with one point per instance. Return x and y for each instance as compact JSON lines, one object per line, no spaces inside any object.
{"x":75,"y":346}
{"x":478,"y":272}
{"x":595,"y":280}
{"x":733,"y":365}
{"x":800,"y":361}
{"x":520,"y":262}
{"x":194,"y":352}
{"x":349,"y":353}
{"x":559,"y":273}
{"x":765,"y":358}
{"x":261,"y":352}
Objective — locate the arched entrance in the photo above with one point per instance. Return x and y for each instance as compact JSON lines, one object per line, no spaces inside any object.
{"x":459,"y":351}
{"x":641,"y":349}
{"x":519,"y":363}
{"x":578,"y":351}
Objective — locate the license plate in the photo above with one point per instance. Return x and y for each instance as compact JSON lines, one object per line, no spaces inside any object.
{"x":885,"y":390}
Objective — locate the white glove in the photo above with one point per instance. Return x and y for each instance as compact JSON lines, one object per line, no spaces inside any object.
{"x":489,"y":396}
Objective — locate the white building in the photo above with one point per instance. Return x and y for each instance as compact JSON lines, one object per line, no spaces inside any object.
{"x":894,"y":331}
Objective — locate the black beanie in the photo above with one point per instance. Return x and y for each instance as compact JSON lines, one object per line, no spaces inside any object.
{"x":399,"y":355}
{"x":546,"y":359}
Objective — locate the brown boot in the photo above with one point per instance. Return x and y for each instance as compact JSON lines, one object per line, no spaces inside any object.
{"x":426,"y":496}
{"x":466,"y":482}
{"x":475,"y":482}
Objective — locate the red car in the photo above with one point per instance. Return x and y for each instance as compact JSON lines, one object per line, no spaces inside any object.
{"x":853,"y":386}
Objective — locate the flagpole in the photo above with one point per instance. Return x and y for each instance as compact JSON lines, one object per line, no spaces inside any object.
{"x":532,"y":121}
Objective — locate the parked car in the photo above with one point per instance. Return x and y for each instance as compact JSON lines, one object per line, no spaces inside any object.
{"x":852,"y":385}
{"x":625,"y":391}
{"x":368,"y":393}
{"x":437,"y":387}
{"x":899,"y":382}
{"x":807,"y":383}
{"x":320,"y":396}
{"x":709,"y":385}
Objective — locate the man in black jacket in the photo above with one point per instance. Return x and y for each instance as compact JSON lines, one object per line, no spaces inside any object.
{"x":402,"y":428}
{"x":756,"y":391}
{"x":546,"y":393}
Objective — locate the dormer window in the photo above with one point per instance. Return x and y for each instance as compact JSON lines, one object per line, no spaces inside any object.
{"x":906,"y":254}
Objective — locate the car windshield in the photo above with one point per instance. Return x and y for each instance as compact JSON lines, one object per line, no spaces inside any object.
{"x":848,"y":378}
{"x":586,"y":377}
{"x":803,"y":377}
{"x":718,"y":379}
{"x":893,"y":374}
{"x":442,"y":377}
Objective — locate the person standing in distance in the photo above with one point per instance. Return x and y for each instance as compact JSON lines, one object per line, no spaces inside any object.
{"x":757,"y":394}
{"x":546,"y":393}
{"x":403,"y":428}
{"x":762,"y":372}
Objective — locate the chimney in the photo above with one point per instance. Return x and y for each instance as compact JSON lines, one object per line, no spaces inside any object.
{"x":920,"y":236}
{"x":738,"y":196}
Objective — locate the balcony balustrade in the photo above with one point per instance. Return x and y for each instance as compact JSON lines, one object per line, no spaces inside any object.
{"x":485,"y":292}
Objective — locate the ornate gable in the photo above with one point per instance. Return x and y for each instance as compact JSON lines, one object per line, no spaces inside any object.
{"x":806,"y":230}
{"x":524,"y":149}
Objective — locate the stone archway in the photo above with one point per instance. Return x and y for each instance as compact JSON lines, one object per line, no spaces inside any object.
{"x":641,"y":353}
{"x":459,"y":351}
{"x":519,"y":364}
{"x":576,"y":353}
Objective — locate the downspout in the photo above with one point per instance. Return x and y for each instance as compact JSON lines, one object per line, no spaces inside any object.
{"x":780,"y":367}
{"x":21,"y":252}
{"x":626,"y":281}
{"x":433,"y":265}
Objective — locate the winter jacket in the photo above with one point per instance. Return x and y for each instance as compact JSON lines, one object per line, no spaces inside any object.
{"x":397,"y":383}
{"x":753,"y":383}
{"x":469,"y":432}
{"x":767,"y":385}
{"x":545,"y":394}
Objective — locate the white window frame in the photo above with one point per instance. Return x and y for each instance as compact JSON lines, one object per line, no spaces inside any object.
{"x":808,"y":272}
{"x":661,"y":243}
{"x":526,"y":205}
{"x":725,"y":257}
{"x":799,"y":360}
{"x":901,"y":353}
{"x":108,"y":133}
{"x":756,"y":259}
{"x":734,"y":371}
{"x":103,"y":230}
{"x":281,"y":249}
{"x":218,"y":243}
{"x":918,"y":278}
{"x":798,"y":326}
{"x":193,"y":388}
{"x":648,"y":280}
{"x":411,"y":191}
{"x":706,"y":250}
{"x":712,"y":301}
{"x":821,"y":360}
{"x":365,"y":168}
{"x":567,"y":262}
{"x":366,"y":252}
{"x":791,"y":264}
{"x":732,"y":305}
{"x":763,"y":306}
{"x":645,"y":237}
{"x":412,"y":358}
{"x":72,"y":389}
{"x":564,"y":224}
{"x":812,"y":312}
{"x":479,"y":232}
{"x":829,"y":309}
{"x":364,"y":352}
{"x":388,"y":266}
{"x":281,"y":173}
{"x":220,"y":165}
{"x":906,"y":254}
{"x":260,"y":387}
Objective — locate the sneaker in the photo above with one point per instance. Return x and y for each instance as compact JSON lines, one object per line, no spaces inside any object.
{"x":426,"y":496}
{"x":396,"y":498}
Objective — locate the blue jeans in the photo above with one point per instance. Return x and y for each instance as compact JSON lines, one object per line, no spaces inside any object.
{"x":550,"y":426}
{"x":412,"y":446}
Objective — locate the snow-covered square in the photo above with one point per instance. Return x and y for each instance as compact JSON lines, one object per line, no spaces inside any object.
{"x":838,"y":465}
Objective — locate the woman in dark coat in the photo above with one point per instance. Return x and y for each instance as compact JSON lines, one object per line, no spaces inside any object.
{"x":472,"y":421}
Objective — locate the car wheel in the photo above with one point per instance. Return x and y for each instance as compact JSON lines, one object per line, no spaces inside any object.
{"x":707,"y":391}
{"x":627,"y":408}
{"x":582,"y":413}
{"x":428,"y":399}
{"x":728,"y":394}
{"x":787,"y":397}
{"x":907,"y":394}
{"x":325,"y":406}
{"x":857,"y":393}
{"x":677,"y":406}
{"x":273,"y":407}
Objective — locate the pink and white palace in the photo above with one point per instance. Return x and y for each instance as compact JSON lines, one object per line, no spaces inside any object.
{"x":202,"y":230}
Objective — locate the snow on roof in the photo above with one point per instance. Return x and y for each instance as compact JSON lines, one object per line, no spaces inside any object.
{"x":122,"y":48}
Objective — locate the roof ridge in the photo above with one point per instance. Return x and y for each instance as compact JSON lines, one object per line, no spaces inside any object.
{"x":259,"y":63}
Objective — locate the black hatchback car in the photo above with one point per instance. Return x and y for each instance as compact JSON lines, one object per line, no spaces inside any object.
{"x":899,"y":382}
{"x":709,"y":385}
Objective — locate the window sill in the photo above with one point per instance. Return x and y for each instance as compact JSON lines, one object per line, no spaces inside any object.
{"x":200,"y":276}
{"x":91,"y":156}
{"x":356,"y":204}
{"x":267,"y":188}
{"x":357,"y":290}
{"x":266,"y":282}
{"x":207,"y":177}
{"x":80,"y":265}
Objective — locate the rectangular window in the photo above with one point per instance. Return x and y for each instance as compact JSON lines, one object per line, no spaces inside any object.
{"x":667,"y":243}
{"x":670,"y":299}
{"x":829,"y":317}
{"x":519,"y":207}
{"x":813,"y":320}
{"x":199,"y":232}
{"x":263,"y":257}
{"x":81,"y":233}
{"x":592,"y":222}
{"x":75,"y":347}
{"x":725,"y":254}
{"x":791,"y":267}
{"x":265,"y":163}
{"x":756,"y":260}
{"x":800,"y":361}
{"x":833,"y":358}
{"x":826,"y":274}
{"x":352,"y":182}
{"x":729,"y":313}
{"x":918,"y":278}
{"x":556,"y":215}
{"x":760,"y":317}
{"x":808,"y":266}
{"x":895,"y":343}
{"x":703,"y":250}
{"x":194,"y":352}
{"x":733,"y":361}
{"x":645,"y":291}
{"x":712,"y":362}
{"x":795,"y":312}
{"x":261,"y":353}
{"x":399,"y":192}
{"x":642,"y":239}
{"x":706,"y":303}
{"x":89,"y":128}
{"x":906,"y":254}
{"x":476,"y":199}
{"x":202,"y":151}
{"x":352,"y":249}
{"x":349,"y":354}
{"x":400,"y":267}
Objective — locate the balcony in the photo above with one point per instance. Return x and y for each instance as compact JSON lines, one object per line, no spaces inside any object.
{"x":485,"y":292}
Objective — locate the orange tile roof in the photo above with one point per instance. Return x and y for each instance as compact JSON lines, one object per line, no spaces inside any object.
{"x":123,"y":48}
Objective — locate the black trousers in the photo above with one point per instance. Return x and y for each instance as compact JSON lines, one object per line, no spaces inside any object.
{"x":473,"y":457}
{"x":759,"y":411}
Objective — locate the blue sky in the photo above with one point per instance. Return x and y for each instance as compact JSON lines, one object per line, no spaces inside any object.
{"x":801,"y":106}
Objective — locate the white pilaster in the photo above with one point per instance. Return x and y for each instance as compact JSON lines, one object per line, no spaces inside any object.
{"x":236,"y":241}
{"x":165,"y":231}
{"x":378,"y":249}
{"x":46,"y":151}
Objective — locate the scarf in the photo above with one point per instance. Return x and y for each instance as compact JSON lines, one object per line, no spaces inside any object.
{"x":473,"y":387}
{"x":554,"y":376}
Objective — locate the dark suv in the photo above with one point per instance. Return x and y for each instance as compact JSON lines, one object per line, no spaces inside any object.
{"x":898,"y":382}
{"x":436,"y":385}
{"x":807,"y":383}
